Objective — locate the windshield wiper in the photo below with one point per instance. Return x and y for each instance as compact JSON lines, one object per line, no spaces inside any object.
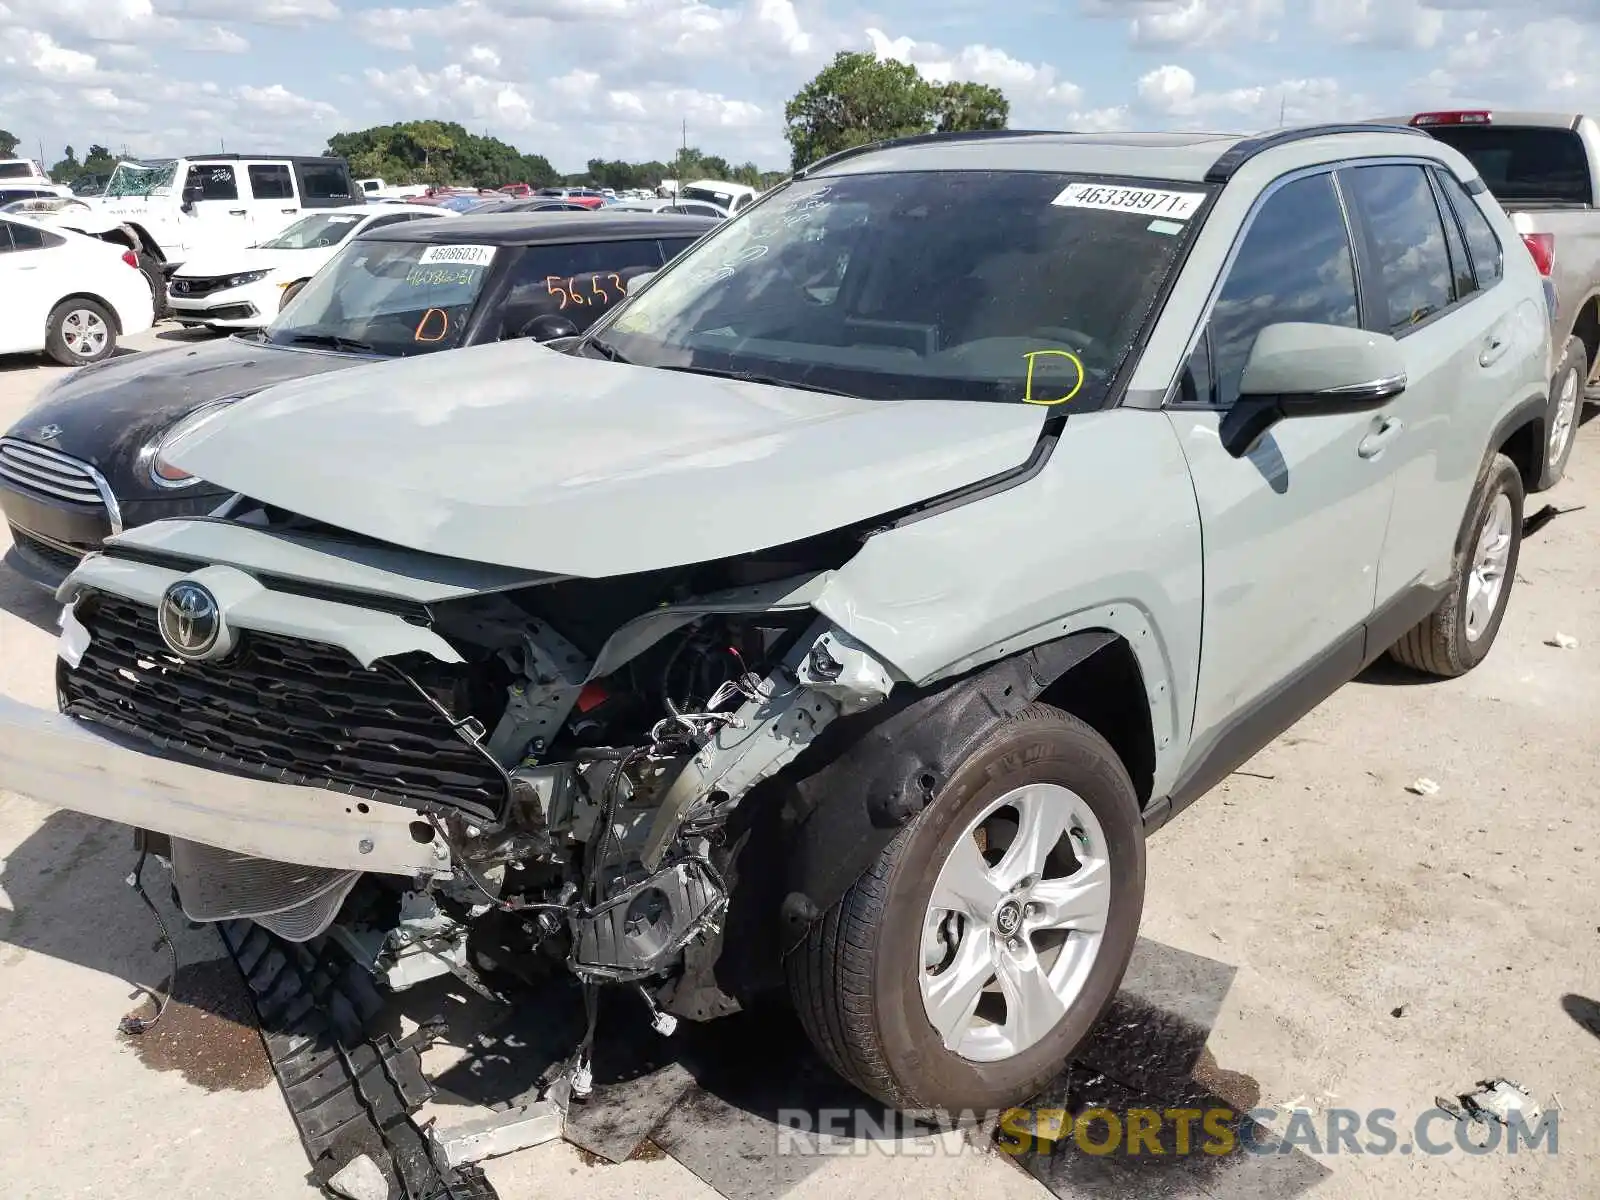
{"x":605,"y":350}
{"x":769,"y":380}
{"x":331,"y":340}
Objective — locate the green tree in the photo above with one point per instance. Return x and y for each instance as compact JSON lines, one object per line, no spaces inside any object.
{"x":855,"y":99}
{"x":68,"y":169}
{"x":967,"y":106}
{"x":438,"y":152}
{"x":99,"y":161}
{"x":859,"y":98}
{"x":8,"y":143}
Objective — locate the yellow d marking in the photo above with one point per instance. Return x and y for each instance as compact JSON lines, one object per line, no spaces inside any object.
{"x":1027,"y":392}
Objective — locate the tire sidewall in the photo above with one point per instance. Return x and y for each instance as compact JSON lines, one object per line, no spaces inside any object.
{"x":1574,"y":361}
{"x":56,"y":344}
{"x":1023,"y":752}
{"x":1501,"y":477}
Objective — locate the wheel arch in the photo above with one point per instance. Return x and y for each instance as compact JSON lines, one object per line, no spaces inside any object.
{"x":1520,"y":436}
{"x":1586,"y":328}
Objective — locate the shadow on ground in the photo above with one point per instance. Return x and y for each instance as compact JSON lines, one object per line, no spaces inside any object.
{"x":734,"y":1101}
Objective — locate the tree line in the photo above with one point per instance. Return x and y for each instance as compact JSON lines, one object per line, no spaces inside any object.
{"x":854,"y":100}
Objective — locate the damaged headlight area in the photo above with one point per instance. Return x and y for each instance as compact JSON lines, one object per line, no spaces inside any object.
{"x":577,"y":768}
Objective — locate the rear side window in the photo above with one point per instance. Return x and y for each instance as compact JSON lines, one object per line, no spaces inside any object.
{"x":323,"y":185}
{"x":271,"y":181}
{"x":1408,"y":238}
{"x":1463,"y":281}
{"x":1525,"y":164}
{"x":1293,"y":265}
{"x":1483,"y":245}
{"x":578,"y":281}
{"x":26,"y":237}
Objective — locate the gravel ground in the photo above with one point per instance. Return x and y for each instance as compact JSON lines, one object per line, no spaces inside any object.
{"x":1390,"y":947}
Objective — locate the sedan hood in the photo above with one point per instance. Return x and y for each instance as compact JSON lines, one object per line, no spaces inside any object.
{"x":208,"y":264}
{"x":104,"y":414}
{"x":520,"y":456}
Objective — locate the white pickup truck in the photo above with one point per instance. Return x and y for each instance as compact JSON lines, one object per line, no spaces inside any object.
{"x":377,"y":189}
{"x":1544,"y":168}
{"x":174,"y":208}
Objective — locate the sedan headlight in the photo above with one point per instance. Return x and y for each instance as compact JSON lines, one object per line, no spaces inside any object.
{"x":162,"y":472}
{"x":246,"y":277}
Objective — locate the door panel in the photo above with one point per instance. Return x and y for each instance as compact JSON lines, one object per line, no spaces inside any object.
{"x":1293,"y":530}
{"x":221,"y":217}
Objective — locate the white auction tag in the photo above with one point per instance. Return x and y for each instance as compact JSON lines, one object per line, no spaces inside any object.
{"x":462,"y":255}
{"x":1144,"y":202}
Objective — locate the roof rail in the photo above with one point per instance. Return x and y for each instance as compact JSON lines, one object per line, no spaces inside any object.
{"x":918,"y":139}
{"x":1236,"y":156}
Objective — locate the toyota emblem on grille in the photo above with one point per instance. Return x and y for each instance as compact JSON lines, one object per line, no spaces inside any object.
{"x":190,"y":621}
{"x":49,"y":433}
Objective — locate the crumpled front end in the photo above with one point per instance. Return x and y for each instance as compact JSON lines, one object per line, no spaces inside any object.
{"x":328,"y":744}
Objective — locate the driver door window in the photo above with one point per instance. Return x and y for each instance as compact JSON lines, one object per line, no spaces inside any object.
{"x":1294,"y":264}
{"x":215,"y":182}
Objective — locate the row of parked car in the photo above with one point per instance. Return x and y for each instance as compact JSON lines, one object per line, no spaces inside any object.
{"x":828,"y":599}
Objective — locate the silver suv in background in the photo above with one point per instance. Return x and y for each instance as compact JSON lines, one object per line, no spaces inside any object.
{"x":1544,"y":168}
{"x":841,"y":609}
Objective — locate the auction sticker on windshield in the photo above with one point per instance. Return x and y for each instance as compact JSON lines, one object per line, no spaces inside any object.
{"x":460,"y":255}
{"x":1146,"y":202}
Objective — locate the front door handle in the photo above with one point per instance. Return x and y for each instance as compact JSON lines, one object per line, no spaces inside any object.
{"x":1494,"y":347}
{"x":289,"y":211}
{"x":1374,"y":443}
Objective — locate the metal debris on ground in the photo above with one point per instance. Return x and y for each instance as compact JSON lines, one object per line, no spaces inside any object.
{"x":1532,"y":524}
{"x":1494,"y":1100}
{"x":1423,"y":786}
{"x":1562,"y":641}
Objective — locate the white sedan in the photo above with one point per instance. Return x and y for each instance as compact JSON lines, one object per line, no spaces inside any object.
{"x":245,"y":288}
{"x":67,"y":294}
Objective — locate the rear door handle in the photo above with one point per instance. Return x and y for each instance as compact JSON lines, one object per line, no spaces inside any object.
{"x":236,"y":212}
{"x":290,"y":211}
{"x":1373,"y":444}
{"x":1494,"y":346}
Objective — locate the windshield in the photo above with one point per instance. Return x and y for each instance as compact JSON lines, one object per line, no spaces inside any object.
{"x":388,"y":298}
{"x":694,"y":193}
{"x":971,"y":285}
{"x":1526,"y":164}
{"x":16,"y":170}
{"x":311,"y":233}
{"x":130,"y":179}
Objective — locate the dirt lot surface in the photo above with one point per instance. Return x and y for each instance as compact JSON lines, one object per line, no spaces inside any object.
{"x":1386,"y":947}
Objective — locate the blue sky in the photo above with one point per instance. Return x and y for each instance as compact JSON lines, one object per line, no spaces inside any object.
{"x":575,"y":79}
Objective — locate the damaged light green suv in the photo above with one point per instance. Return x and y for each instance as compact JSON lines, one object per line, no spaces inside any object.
{"x":844,"y":608}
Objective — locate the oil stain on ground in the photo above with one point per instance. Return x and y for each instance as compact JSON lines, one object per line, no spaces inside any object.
{"x":208,"y":1032}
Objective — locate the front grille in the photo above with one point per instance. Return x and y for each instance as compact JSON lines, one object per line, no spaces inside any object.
{"x":280,"y":709}
{"x":188,"y":286}
{"x":48,"y":474}
{"x":57,"y":557}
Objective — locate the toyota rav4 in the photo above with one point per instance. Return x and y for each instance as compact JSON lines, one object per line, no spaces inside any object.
{"x":842,"y":609}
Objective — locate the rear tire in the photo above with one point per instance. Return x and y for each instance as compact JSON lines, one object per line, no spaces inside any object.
{"x":79,"y":332}
{"x":1458,"y":635}
{"x":1566,"y":409}
{"x":866,"y":980}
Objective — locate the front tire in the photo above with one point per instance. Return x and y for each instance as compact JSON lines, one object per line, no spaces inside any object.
{"x":965,"y":966}
{"x":1458,"y":635}
{"x":290,"y":292}
{"x":79,"y":332}
{"x":1566,"y":408}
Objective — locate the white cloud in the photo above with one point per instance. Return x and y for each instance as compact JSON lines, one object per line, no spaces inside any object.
{"x":1173,"y":95}
{"x":1032,"y":87}
{"x":1407,"y":24}
{"x":1194,"y":23}
{"x":253,"y":12}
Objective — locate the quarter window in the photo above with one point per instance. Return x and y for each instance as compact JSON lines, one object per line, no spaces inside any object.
{"x":215,"y":181}
{"x":1462,"y":279}
{"x":271,"y":182}
{"x":1408,"y":238}
{"x":1488,"y":259}
{"x":1293,"y":265}
{"x":26,"y":237}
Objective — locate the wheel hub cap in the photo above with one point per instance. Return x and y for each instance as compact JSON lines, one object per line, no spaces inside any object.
{"x":1014,"y":922}
{"x":1490,"y":558}
{"x":1566,"y":416}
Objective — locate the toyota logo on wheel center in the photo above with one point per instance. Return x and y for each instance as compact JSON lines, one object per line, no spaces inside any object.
{"x":189,"y":619}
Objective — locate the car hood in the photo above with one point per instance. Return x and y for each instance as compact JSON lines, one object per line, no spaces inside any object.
{"x":104,"y":414}
{"x":208,"y":264}
{"x":521,"y":456}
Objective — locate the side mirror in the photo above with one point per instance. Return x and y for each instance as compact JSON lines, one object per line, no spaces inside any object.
{"x":192,"y":194}
{"x":1304,"y":370}
{"x":547,"y":327}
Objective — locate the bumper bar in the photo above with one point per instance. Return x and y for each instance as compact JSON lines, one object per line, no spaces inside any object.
{"x":58,"y":760}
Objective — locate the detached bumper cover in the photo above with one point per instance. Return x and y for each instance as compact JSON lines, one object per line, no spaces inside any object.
{"x":57,"y":760}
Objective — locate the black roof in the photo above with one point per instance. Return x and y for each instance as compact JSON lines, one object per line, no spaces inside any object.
{"x":526,"y":229}
{"x":231,"y":157}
